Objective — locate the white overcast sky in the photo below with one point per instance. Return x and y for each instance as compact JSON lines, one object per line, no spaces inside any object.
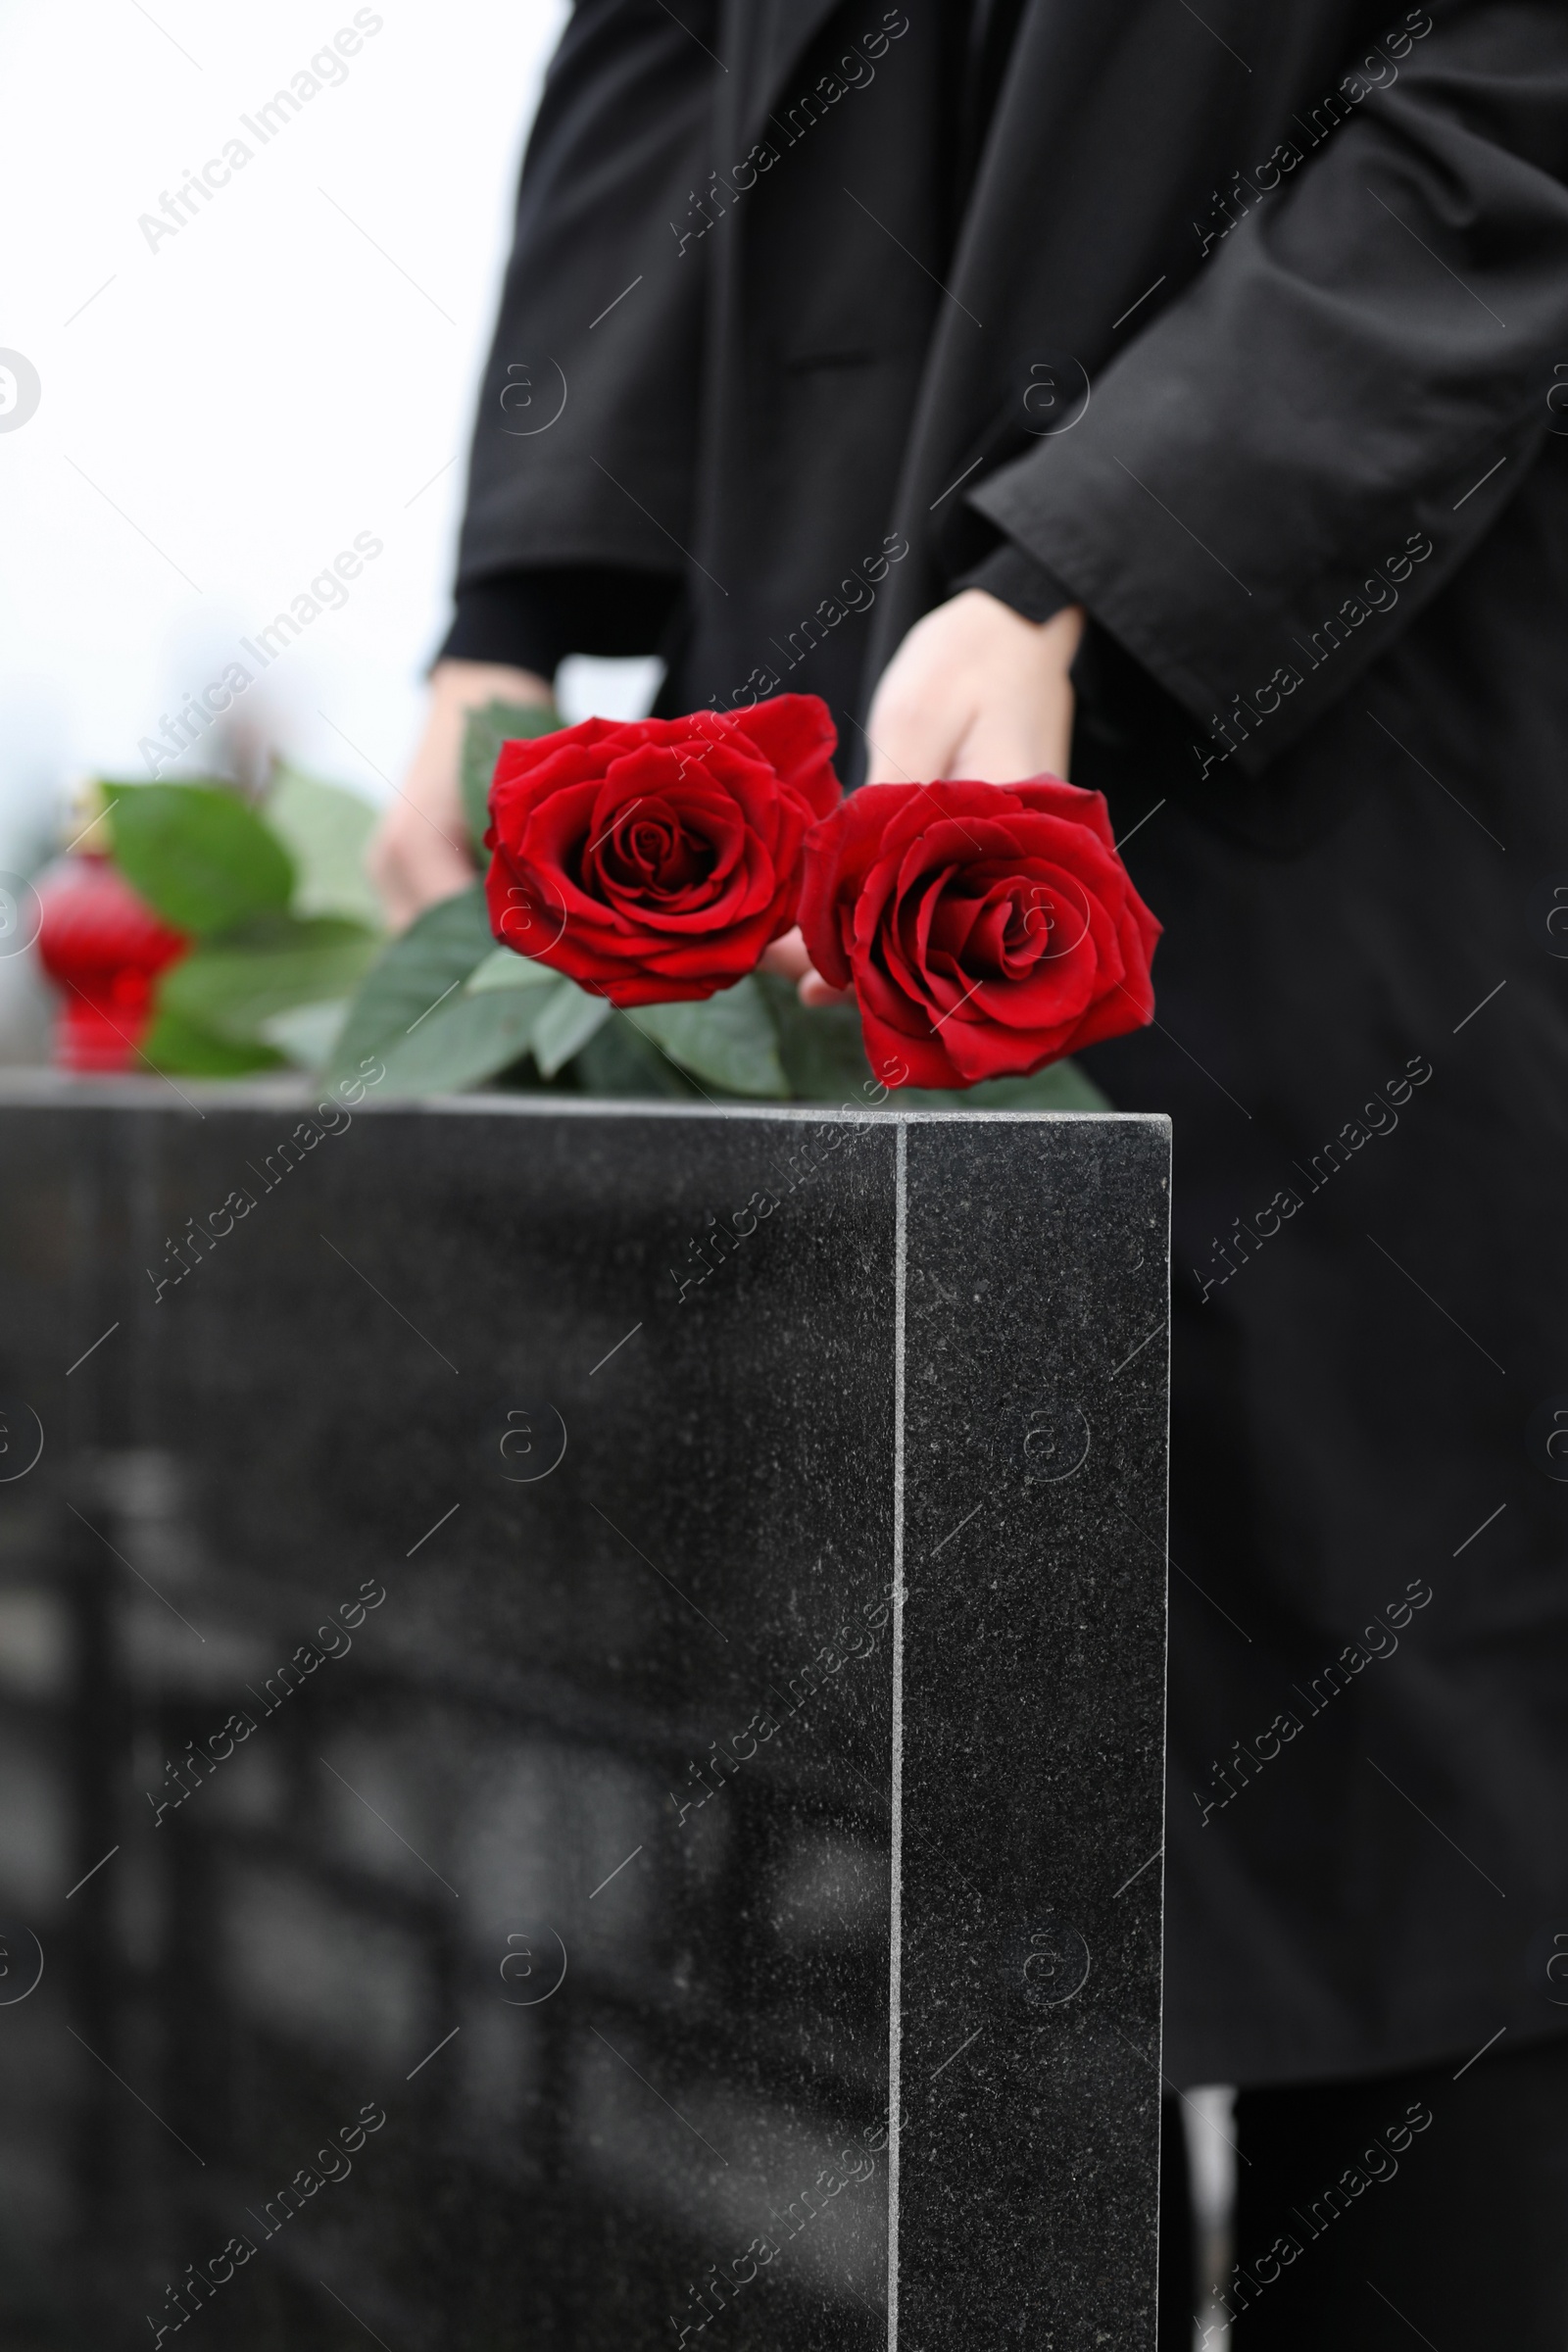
{"x":221,"y":416}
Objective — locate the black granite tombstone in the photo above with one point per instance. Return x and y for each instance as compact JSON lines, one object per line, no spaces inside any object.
{"x":582,"y":1721}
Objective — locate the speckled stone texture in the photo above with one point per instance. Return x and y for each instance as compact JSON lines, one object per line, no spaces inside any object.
{"x":582,"y":1720}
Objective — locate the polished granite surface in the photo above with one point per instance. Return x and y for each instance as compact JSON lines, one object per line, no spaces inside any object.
{"x":582,"y":1697}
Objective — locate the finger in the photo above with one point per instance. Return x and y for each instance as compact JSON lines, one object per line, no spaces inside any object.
{"x":437,"y":877}
{"x":787,"y":956}
{"x":906,"y":758}
{"x":909,"y":744}
{"x":398,"y":902}
{"x":815,"y":990}
{"x":996,"y":751}
{"x":413,"y":865}
{"x":385,"y":870}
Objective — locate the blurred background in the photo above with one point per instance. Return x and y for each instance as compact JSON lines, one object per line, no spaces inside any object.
{"x":203,"y":415}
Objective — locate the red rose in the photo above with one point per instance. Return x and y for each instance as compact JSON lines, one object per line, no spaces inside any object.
{"x":986,"y":929}
{"x":655,"y":860}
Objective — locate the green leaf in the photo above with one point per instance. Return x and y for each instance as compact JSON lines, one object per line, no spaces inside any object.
{"x":185,"y":1050}
{"x":231,"y":986}
{"x":824,"y":1057}
{"x":504,"y":969}
{"x":484,"y":731}
{"x":413,"y":976}
{"x":820,"y":1046}
{"x":729,"y":1039}
{"x":413,"y":1014}
{"x":567,"y":1020}
{"x":325,"y":830}
{"x":307,"y":1035}
{"x":1062,"y":1086}
{"x":468,"y":1040}
{"x":618,"y":1060}
{"x":198,"y":854}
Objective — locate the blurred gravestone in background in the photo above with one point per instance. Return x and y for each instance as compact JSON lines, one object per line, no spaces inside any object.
{"x":582,"y":1727}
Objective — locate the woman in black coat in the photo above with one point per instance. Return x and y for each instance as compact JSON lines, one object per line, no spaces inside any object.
{"x":1178,"y":399}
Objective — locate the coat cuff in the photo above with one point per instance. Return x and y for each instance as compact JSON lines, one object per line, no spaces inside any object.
{"x":1019,"y":579}
{"x":532,"y":619}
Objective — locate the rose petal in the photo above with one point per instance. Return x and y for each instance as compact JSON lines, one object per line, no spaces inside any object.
{"x":797,"y":738}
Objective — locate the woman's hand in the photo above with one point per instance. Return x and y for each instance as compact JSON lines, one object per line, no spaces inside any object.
{"x":976,"y":691}
{"x":420,"y":852}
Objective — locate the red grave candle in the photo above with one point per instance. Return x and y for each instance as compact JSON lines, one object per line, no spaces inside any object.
{"x":104,"y":948}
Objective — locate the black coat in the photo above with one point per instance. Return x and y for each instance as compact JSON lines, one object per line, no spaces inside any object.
{"x":1247,"y":329}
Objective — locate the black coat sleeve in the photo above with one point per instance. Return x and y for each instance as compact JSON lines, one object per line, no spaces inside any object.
{"x":532,"y":619}
{"x":1358,"y":371}
{"x":583,"y":455}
